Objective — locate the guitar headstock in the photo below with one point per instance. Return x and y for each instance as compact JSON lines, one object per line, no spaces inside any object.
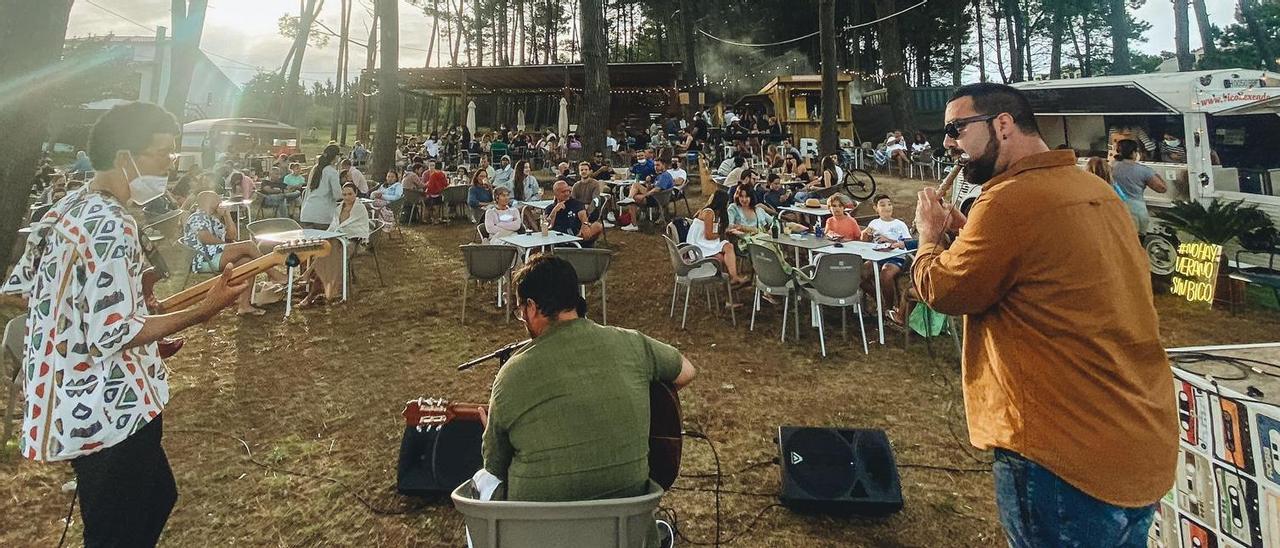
{"x":427,"y":412}
{"x":311,"y":247}
{"x":434,"y":413}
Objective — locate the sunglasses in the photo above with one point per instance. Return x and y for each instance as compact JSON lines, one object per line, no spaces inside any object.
{"x":954,"y":127}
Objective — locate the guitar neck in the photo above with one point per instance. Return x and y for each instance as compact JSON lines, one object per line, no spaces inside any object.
{"x":194,"y":294}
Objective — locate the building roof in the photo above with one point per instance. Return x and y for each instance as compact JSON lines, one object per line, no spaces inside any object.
{"x":535,"y":79}
{"x":254,"y":123}
{"x":802,"y":79}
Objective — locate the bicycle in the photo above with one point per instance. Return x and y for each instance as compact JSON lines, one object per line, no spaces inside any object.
{"x":858,"y":184}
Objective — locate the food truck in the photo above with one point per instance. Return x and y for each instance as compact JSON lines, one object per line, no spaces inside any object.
{"x":1228,"y":121}
{"x":249,"y":141}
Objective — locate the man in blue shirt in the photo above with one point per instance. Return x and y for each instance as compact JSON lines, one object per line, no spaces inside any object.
{"x":642,"y":192}
{"x":644,"y":167}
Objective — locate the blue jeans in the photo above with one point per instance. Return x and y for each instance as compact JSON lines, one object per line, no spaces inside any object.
{"x":1039,"y":509}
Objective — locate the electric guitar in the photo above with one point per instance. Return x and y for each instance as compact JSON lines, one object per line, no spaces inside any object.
{"x":665,"y":441}
{"x":303,"y":249}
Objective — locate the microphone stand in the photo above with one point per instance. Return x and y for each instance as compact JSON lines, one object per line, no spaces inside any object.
{"x":502,"y":354}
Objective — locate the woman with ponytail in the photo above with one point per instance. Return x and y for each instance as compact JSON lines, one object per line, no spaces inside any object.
{"x":323,"y":191}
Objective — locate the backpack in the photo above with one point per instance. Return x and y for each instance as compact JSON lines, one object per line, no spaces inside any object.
{"x":682,"y":228}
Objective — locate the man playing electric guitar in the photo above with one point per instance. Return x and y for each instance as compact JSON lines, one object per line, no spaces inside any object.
{"x":95,"y":383}
{"x":569,"y":414}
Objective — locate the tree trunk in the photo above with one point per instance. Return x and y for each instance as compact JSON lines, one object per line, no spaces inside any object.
{"x":293,"y":105}
{"x":343,"y":50}
{"x":829,"y":135}
{"x":1249,"y":9}
{"x":1086,"y":65}
{"x":594,"y":112}
{"x":1119,"y":24}
{"x":1206,"y":32}
{"x":1016,"y":69}
{"x":384,"y":145}
{"x":188,"y":26}
{"x":1004,"y":77}
{"x":37,"y":30}
{"x":1182,"y":36}
{"x":435,"y":26}
{"x":900,"y":96}
{"x":686,"y":28}
{"x":478,"y":42}
{"x":957,"y":44}
{"x":457,"y":41}
{"x":1056,"y":22}
{"x":978,"y":23}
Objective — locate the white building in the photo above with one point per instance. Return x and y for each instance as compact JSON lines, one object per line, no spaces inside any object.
{"x":212,"y":94}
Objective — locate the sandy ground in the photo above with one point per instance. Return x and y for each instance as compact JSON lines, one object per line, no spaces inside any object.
{"x":321,"y":392}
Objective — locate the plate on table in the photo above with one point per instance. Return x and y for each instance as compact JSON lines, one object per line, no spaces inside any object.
{"x":882,"y":246}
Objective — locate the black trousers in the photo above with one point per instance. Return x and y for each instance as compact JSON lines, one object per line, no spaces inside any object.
{"x":126,"y":491}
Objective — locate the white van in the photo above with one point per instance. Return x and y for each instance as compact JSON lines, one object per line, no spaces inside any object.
{"x":1234,"y":113}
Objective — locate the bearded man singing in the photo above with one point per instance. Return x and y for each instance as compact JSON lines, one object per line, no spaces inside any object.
{"x":1064,"y":374}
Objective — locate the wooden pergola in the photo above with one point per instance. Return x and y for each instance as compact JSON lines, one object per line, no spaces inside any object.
{"x":463,"y":83}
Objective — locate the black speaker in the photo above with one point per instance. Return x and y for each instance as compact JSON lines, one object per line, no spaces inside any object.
{"x":434,"y":462}
{"x":835,"y":471}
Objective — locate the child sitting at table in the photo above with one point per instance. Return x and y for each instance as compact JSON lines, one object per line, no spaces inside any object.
{"x":886,"y":230}
{"x":840,"y":225}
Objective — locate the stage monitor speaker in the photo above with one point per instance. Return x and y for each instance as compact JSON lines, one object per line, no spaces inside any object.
{"x":434,"y":462}
{"x":835,"y":471}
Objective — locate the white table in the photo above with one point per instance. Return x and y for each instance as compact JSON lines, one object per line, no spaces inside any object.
{"x":239,"y":204}
{"x":309,"y":234}
{"x":818,"y":212}
{"x":531,"y":241}
{"x":867,"y":251}
{"x":540,"y":204}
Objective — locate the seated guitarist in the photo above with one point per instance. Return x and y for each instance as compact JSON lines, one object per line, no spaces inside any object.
{"x":95,"y":384}
{"x":569,"y":414}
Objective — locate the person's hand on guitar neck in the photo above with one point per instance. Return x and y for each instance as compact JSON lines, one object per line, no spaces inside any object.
{"x":223,"y":292}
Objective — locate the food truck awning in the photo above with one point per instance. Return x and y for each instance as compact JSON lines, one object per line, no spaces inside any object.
{"x":236,"y":124}
{"x":1209,"y":91}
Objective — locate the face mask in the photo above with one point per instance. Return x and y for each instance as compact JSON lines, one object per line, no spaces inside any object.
{"x":1172,"y":142}
{"x":144,"y":188}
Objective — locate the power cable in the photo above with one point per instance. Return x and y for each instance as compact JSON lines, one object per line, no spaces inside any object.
{"x":812,"y":34}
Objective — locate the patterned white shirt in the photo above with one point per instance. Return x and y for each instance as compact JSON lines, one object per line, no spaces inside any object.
{"x":82,"y":276}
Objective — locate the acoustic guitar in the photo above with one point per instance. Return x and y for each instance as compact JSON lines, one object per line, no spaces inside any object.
{"x":665,"y":441}
{"x":302,"y":249}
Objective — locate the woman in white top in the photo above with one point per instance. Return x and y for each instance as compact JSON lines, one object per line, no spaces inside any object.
{"x":528,"y":188}
{"x":323,"y":191}
{"x":351,"y":218}
{"x":501,"y":219}
{"x":704,"y":236}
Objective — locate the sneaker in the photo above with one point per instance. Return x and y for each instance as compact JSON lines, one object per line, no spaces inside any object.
{"x":630,"y":228}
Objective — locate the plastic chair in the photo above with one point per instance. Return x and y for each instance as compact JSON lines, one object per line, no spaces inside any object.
{"x":592,"y":266}
{"x":772,"y":279}
{"x":620,"y":523}
{"x":919,"y":162}
{"x":12,"y":353}
{"x":376,"y":226}
{"x":695,"y":271}
{"x":835,"y":280}
{"x":487,"y":263}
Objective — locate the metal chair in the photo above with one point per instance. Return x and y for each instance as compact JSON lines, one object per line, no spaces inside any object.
{"x":487,"y":263}
{"x":482,"y":234}
{"x":268,"y":226}
{"x":416,"y":201}
{"x":592,"y":266}
{"x":613,"y":523}
{"x":691,"y":269}
{"x":772,"y":279}
{"x":835,"y":280}
{"x":454,"y":199}
{"x":376,"y":226}
{"x":921,"y":161}
{"x":12,"y":353}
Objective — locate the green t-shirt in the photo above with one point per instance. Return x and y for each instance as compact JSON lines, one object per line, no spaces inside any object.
{"x":292,"y":180}
{"x":569,"y":413}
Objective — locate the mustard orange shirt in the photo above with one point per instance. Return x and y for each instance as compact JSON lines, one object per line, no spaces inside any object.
{"x":845,"y":227}
{"x":1062,"y":361}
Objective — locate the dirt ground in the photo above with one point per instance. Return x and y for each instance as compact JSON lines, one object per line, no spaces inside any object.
{"x":321,"y":392}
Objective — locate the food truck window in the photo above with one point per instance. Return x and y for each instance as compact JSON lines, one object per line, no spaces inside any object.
{"x":1245,"y":142}
{"x":193,"y":141}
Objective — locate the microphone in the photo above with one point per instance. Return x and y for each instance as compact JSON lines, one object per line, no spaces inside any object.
{"x":502,"y":354}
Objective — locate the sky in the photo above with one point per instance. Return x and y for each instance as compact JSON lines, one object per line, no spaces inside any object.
{"x":241,"y":35}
